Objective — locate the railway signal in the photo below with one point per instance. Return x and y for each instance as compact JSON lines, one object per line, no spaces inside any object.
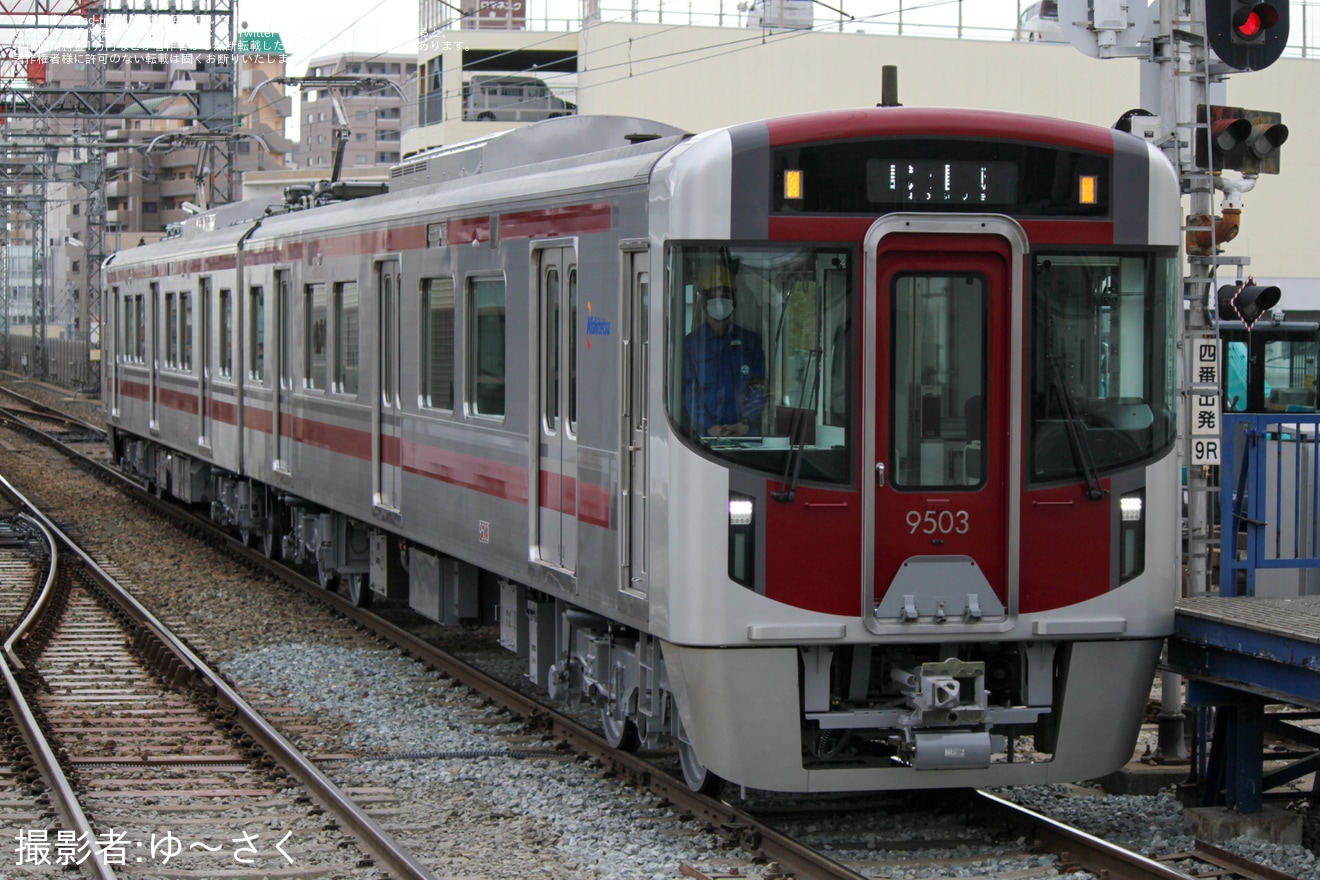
{"x":1238,"y":139}
{"x":1247,"y":34}
{"x":1246,"y":301}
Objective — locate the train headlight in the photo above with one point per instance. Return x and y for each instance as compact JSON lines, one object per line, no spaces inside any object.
{"x":740,"y":510}
{"x":742,"y":539}
{"x":1131,"y":535}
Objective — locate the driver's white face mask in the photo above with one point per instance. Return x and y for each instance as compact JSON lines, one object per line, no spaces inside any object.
{"x":719,"y":308}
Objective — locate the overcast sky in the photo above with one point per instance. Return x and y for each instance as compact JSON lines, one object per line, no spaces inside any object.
{"x":311,"y":28}
{"x":315,"y":27}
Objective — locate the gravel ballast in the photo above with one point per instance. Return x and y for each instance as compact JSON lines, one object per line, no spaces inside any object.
{"x":468,"y":816}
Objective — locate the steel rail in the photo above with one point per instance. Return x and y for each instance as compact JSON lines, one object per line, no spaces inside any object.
{"x":65,"y":799}
{"x":1236,"y":864}
{"x":731,"y":823}
{"x":1092,"y":853}
{"x":394,"y":858}
{"x":40,"y":410}
{"x":1098,"y":856}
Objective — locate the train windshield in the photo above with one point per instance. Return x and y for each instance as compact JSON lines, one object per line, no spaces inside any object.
{"x":760,"y":353}
{"x":1102,"y":362}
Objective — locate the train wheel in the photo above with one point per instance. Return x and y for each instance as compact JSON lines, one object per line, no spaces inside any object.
{"x":328,"y":577}
{"x":359,"y":589}
{"x":695,"y":774}
{"x":620,"y":734}
{"x":272,"y":536}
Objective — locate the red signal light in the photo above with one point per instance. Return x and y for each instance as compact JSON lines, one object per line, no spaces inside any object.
{"x":1247,"y":34}
{"x":1251,"y":22}
{"x":1250,"y":27}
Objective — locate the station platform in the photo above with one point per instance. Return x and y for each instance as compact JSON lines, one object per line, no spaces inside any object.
{"x":1257,"y":662}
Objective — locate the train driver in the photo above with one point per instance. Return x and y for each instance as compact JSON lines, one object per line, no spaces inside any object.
{"x":723,"y":365}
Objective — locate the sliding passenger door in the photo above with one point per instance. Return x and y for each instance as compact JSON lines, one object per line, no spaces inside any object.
{"x":385,"y":412}
{"x":154,"y":354}
{"x":636,"y":313}
{"x":557,"y":495}
{"x":204,"y":361}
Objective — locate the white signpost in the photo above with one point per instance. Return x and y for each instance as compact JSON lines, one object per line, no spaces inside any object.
{"x":1204,"y":412}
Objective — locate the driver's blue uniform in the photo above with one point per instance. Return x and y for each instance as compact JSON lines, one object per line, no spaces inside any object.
{"x":716,"y":373}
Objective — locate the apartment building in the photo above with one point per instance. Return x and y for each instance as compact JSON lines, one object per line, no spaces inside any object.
{"x":152,"y":175}
{"x":372,"y":114}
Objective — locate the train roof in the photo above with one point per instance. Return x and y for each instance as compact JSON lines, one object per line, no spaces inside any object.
{"x":561,"y":138}
{"x":928,"y":122}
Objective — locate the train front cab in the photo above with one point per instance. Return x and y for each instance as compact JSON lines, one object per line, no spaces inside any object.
{"x":941,"y":555}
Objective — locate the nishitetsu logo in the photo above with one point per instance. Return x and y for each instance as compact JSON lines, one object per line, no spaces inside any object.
{"x":596,"y":326}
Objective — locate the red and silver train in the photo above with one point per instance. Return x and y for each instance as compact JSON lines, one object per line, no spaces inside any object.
{"x":835,"y":450}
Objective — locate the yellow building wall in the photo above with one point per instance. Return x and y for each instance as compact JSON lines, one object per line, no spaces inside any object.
{"x":706,"y":77}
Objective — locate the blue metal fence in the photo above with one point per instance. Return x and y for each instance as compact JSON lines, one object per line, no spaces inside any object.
{"x":1270,"y":496}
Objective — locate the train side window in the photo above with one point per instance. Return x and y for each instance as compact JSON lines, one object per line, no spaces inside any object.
{"x":141,"y":351}
{"x":186,"y":329}
{"x":437,"y":343}
{"x":572,"y":348}
{"x":485,"y":342}
{"x":257,"y":333}
{"x":284,"y":313}
{"x":346,"y":337}
{"x":314,"y":332}
{"x":126,"y":325}
{"x":171,"y":330}
{"x":550,"y":348}
{"x":226,"y":333}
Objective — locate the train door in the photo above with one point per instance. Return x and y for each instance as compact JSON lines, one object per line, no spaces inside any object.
{"x":204,"y":361}
{"x":282,"y":408}
{"x":557,"y":366}
{"x":943,"y":484}
{"x":385,"y":444}
{"x":636,"y":313}
{"x":153,"y":355}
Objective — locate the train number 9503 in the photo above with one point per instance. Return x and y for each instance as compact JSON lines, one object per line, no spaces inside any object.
{"x":938,"y":522}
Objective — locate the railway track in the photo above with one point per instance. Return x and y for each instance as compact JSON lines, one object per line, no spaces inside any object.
{"x":70,"y":431}
{"x":779,"y":854}
{"x":173,"y":770}
{"x":25,"y":802}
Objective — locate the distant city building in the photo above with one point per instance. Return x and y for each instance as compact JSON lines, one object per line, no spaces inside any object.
{"x":372,"y":114}
{"x":144,"y":191}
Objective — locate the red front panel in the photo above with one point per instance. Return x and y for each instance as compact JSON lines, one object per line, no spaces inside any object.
{"x":1069,"y":540}
{"x":813,"y":550}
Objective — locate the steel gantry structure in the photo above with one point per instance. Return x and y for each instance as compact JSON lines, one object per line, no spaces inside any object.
{"x":75,"y":117}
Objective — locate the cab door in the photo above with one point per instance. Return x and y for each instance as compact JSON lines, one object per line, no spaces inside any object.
{"x":557,"y":495}
{"x":942,"y":490}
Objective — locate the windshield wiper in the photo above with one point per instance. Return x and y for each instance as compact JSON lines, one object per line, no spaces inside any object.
{"x":1073,"y":419}
{"x":797,"y":431}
